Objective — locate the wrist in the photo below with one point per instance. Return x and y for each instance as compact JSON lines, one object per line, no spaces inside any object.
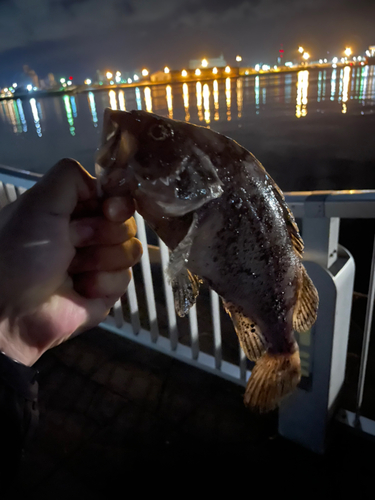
{"x":14,"y":347}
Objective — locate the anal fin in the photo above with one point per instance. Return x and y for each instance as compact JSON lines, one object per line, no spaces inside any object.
{"x":248,"y":332}
{"x":306,"y":308}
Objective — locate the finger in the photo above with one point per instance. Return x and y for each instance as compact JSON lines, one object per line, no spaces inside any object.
{"x":118,"y":209}
{"x":106,"y":258}
{"x":95,"y":285}
{"x":101,"y":231}
{"x":88,"y":208}
{"x":62,"y":188}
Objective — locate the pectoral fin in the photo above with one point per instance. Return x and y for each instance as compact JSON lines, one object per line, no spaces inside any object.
{"x":185,"y":285}
{"x":248,"y":332}
{"x":185,"y":290}
{"x":306,"y":308}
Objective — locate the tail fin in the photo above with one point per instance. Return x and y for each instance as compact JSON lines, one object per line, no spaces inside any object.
{"x":273,"y":377}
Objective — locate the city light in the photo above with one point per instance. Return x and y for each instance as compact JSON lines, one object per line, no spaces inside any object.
{"x":112,"y":99}
{"x":238,"y":58}
{"x":29,"y":88}
{"x":62,"y":80}
{"x":204,"y":63}
{"x":335,"y":60}
{"x":88,"y":81}
{"x":148,"y":99}
{"x":69,"y":82}
{"x":144,"y":72}
{"x":130,"y":80}
{"x":301,"y":50}
{"x":265,"y":67}
{"x":109,"y":75}
{"x":257,"y":67}
{"x":184,"y":72}
{"x":320,"y":61}
{"x":118,"y":73}
{"x":227,"y":69}
{"x":348,"y":51}
{"x":166,"y":69}
{"x":214,"y":71}
{"x":14,"y":85}
{"x":198,"y":72}
{"x":306,"y":56}
{"x":135,"y":78}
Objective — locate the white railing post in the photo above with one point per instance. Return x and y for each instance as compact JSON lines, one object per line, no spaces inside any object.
{"x":305,"y":415}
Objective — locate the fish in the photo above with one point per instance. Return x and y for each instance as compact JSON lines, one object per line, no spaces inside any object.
{"x":226,"y":223}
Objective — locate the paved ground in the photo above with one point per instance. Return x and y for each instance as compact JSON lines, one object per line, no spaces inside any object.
{"x":117,"y":415}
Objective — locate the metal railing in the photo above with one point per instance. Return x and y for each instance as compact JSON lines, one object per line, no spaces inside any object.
{"x":147,"y":314}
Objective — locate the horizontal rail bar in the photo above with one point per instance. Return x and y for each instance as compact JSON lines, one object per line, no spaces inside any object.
{"x":351,"y":204}
{"x":206,"y":362}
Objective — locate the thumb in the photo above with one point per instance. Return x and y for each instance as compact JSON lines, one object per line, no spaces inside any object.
{"x":62,"y":187}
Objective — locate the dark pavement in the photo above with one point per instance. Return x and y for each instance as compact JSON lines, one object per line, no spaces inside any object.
{"x":118,"y":418}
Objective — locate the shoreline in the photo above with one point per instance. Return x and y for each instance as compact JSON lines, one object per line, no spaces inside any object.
{"x":239,"y":73}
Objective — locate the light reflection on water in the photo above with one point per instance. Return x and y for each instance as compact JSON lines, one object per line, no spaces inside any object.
{"x":217,"y":100}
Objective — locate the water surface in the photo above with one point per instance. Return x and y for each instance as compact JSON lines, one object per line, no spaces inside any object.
{"x":311,"y":130}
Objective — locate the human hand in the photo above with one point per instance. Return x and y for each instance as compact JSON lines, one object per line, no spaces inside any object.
{"x":64,"y":260}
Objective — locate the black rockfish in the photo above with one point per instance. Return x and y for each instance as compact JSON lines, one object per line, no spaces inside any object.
{"x":226,"y":221}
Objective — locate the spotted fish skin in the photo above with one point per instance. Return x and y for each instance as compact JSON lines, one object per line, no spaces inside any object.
{"x":226,"y":222}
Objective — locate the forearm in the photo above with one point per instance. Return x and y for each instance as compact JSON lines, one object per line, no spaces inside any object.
{"x":18,"y":412}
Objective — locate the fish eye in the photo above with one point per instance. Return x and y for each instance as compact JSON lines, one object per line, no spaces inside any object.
{"x":160,"y":132}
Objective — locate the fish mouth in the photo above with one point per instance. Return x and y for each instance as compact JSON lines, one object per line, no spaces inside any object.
{"x":118,"y":147}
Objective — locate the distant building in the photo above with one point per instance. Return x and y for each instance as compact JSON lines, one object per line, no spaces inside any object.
{"x":370,"y":53}
{"x":161,"y":76}
{"x":32,"y":76}
{"x":218,"y":62}
{"x":51,"y":81}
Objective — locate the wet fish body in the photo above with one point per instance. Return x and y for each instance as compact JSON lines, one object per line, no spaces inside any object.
{"x":226,"y":222}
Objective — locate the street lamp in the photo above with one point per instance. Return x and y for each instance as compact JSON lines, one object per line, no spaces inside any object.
{"x":227,"y":69}
{"x":204,"y":63}
{"x":238,"y":58}
{"x":214,"y":71}
{"x":348,"y":51}
{"x":144,"y":72}
{"x":197,"y":71}
{"x":184,"y":72}
{"x":166,"y":69}
{"x":301,"y":50}
{"x":306,"y":56}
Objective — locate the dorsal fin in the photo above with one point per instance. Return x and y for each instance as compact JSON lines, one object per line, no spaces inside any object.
{"x":290,"y":221}
{"x":305,"y":311}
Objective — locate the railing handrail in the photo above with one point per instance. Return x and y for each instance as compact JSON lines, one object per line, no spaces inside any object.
{"x":320,"y":203}
{"x":349,"y":204}
{"x":16,"y":172}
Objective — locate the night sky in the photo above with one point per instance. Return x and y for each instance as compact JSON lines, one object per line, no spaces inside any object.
{"x":77,"y":37}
